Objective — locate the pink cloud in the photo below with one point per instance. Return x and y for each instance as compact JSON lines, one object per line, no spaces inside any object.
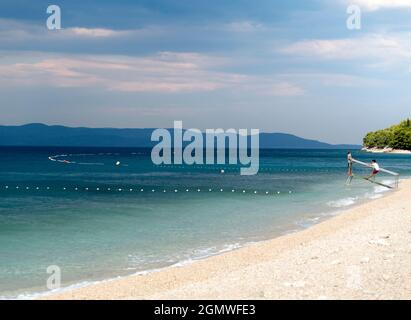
{"x":165,"y":72}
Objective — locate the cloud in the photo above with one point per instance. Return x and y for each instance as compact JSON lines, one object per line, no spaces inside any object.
{"x":373,"y":5}
{"x":94,"y":32}
{"x":375,"y":49}
{"x":16,"y":33}
{"x":168,"y":87}
{"x":333,"y":79}
{"x":244,"y":27}
{"x":165,"y":72}
{"x":285,"y":89}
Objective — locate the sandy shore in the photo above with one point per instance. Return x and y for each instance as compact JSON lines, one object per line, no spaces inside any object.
{"x":363,"y":253}
{"x":386,"y":150}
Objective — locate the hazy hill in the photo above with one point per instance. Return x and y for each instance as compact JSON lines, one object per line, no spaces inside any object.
{"x":43,"y":135}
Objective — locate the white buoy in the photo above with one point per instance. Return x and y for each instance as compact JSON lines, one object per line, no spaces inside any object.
{"x":118,"y":163}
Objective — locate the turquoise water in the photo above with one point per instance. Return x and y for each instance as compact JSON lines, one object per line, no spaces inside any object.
{"x":97,"y":220}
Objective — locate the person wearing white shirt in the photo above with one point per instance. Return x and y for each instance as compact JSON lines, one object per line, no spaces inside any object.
{"x":375,"y":168}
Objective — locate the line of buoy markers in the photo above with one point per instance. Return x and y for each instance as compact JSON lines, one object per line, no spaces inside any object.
{"x":151,"y":190}
{"x":234,"y":168}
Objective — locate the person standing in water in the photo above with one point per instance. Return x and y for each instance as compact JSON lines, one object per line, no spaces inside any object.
{"x":349,"y":160}
{"x":349,"y":164}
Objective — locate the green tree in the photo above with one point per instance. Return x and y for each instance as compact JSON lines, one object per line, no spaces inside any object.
{"x":401,"y":139}
{"x":397,"y":137}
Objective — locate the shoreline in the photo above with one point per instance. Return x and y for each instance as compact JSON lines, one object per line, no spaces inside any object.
{"x":218,"y":276}
{"x":386,"y":150}
{"x":319,"y":218}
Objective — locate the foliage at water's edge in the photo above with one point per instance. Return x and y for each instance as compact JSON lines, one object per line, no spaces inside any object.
{"x":395,"y":137}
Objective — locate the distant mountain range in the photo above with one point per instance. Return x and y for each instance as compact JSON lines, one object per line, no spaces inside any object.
{"x":37,"y":134}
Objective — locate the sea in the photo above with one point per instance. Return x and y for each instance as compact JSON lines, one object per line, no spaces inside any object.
{"x":97,"y":214}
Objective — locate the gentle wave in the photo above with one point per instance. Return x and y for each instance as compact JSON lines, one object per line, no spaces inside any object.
{"x":200,"y":255}
{"x":345,"y":202}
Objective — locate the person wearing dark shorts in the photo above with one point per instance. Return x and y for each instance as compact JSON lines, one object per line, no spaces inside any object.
{"x":375,"y":169}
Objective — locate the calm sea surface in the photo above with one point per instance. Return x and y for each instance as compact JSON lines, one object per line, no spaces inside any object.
{"x":98,"y":220}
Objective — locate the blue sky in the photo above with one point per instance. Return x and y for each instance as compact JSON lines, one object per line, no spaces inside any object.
{"x":279,"y":66}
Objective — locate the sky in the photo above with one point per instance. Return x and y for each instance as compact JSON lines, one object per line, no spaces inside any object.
{"x":278,"y":66}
